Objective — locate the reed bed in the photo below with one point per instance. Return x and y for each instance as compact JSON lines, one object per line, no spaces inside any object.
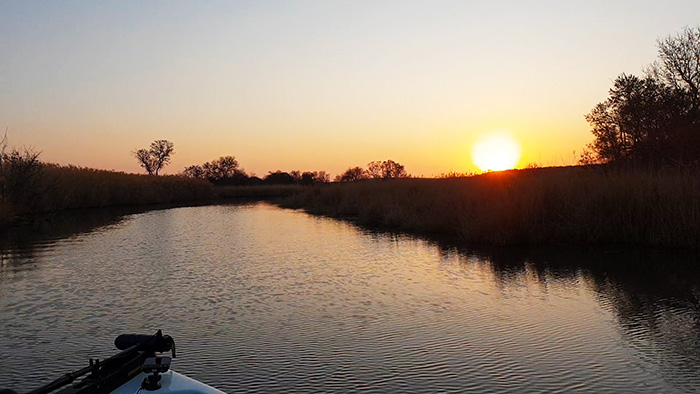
{"x":51,"y":188}
{"x":58,"y":188}
{"x":574,"y":205}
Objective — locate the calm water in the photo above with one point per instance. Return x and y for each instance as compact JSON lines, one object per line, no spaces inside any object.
{"x":261,"y":299}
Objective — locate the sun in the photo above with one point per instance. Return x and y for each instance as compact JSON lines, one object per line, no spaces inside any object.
{"x":496,"y":152}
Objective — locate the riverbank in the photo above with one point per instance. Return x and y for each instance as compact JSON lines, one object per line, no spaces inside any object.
{"x":572,"y":205}
{"x":56,"y":188}
{"x":51,"y":188}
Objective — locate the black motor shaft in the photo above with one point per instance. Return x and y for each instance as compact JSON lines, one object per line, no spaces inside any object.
{"x":150,"y":343}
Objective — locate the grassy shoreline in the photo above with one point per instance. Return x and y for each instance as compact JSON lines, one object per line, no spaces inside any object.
{"x":62,"y":188}
{"x":572,"y":205}
{"x":560,"y":205}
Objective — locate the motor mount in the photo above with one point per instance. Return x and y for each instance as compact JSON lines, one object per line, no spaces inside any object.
{"x":155,"y":366}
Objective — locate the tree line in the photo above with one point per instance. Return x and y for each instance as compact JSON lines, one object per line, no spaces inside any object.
{"x":387,"y":169}
{"x":225,"y":171}
{"x":653,"y":119}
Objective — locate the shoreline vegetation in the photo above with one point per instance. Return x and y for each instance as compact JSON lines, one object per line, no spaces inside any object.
{"x":56,"y":188}
{"x":582,"y":205}
{"x":37,"y":190}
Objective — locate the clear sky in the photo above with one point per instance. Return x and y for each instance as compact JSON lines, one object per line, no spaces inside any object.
{"x":317,"y":85}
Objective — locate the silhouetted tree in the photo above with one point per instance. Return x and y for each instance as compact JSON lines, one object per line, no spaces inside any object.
{"x":633,"y":122}
{"x":223,"y":167}
{"x":321,"y":177}
{"x":296,"y":177}
{"x":296,"y":174}
{"x":255,"y":181}
{"x":374,"y":169}
{"x":654,"y":119}
{"x":306,"y":178}
{"x":222,"y":171}
{"x":392,"y":169}
{"x":386,"y":169}
{"x":678,"y":65}
{"x":313,"y":177}
{"x":238,"y":178}
{"x":352,"y":174}
{"x":279,"y":178}
{"x":194,"y":172}
{"x":156,"y":157}
{"x":145,"y":160}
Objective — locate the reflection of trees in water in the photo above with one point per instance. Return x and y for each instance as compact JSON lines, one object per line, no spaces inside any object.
{"x":656,"y":298}
{"x":654,"y":294}
{"x":12,"y":261}
{"x":19,"y":244}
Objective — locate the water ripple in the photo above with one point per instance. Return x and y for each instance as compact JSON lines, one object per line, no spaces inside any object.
{"x":261,"y":299}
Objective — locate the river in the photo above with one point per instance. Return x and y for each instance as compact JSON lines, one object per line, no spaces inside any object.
{"x":264,"y":299}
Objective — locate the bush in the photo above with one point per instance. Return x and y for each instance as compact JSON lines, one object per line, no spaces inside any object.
{"x":21,"y":181}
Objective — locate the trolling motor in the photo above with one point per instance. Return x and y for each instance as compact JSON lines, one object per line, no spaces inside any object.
{"x":154,"y":365}
{"x":138,"y":353}
{"x":149,"y":343}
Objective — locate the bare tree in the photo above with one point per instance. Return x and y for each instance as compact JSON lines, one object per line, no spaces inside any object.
{"x":679,"y":64}
{"x":145,"y":160}
{"x":156,"y":157}
{"x":386,"y":169}
{"x":161,"y":150}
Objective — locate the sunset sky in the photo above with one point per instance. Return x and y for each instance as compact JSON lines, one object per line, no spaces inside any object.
{"x":317,"y":85}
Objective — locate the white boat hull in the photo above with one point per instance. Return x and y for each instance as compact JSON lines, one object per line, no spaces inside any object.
{"x":171,"y":383}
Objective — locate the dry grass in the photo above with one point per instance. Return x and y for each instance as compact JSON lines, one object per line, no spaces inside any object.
{"x":68,"y":187}
{"x":55,"y":188}
{"x":536,"y":206}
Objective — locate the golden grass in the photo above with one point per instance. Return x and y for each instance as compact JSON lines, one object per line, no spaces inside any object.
{"x":68,"y":187}
{"x":536,"y":206}
{"x":575,"y":205}
{"x":59,"y":188}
